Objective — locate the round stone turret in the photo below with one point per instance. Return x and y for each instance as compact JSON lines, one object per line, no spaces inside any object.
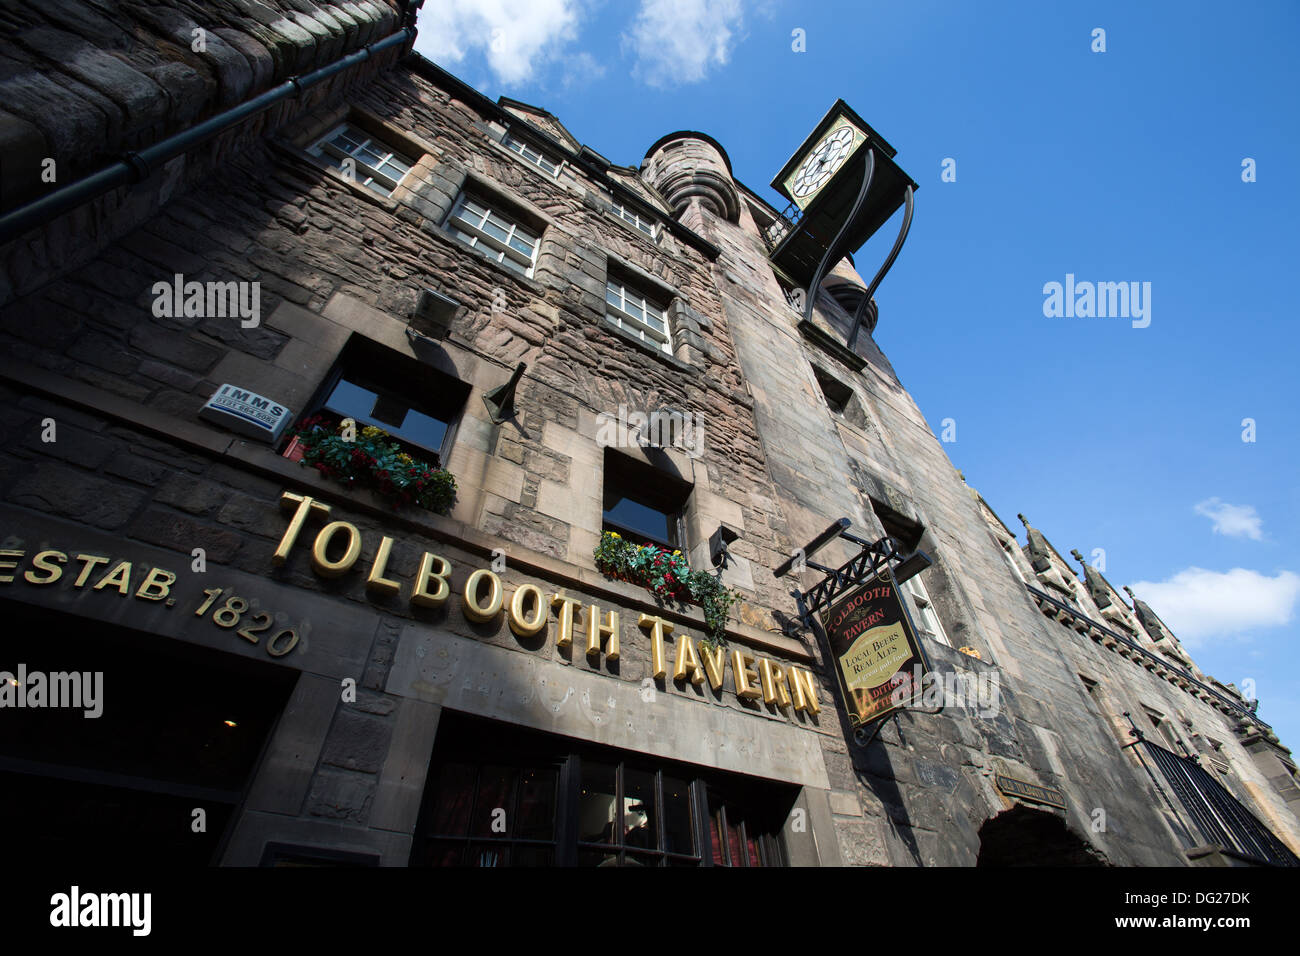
{"x":692,"y":169}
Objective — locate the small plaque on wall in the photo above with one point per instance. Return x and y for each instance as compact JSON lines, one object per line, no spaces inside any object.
{"x":247,"y":413}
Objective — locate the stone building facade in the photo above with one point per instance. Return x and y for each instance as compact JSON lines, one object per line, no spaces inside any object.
{"x":330,"y":679}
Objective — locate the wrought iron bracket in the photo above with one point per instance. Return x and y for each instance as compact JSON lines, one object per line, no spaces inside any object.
{"x":885,"y":267}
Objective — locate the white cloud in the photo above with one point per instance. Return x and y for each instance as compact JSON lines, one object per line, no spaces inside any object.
{"x":581,"y":69}
{"x":1234,"y":521}
{"x":1199,"y":604}
{"x":516,"y":36}
{"x":679,"y":41}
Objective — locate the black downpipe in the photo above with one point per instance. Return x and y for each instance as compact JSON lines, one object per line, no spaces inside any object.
{"x":137,"y":166}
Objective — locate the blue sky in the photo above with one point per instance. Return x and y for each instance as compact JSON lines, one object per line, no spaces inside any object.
{"x":1115,"y":166}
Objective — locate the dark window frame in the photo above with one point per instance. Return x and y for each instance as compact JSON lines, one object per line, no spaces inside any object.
{"x":371,"y":366}
{"x":525,"y":749}
{"x":651,"y":488}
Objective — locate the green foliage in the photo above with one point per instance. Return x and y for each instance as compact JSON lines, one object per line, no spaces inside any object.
{"x":373,"y":460}
{"x":668,"y":575}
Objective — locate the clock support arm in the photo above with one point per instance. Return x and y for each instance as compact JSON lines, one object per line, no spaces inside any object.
{"x":834,"y":252}
{"x":888,"y":264}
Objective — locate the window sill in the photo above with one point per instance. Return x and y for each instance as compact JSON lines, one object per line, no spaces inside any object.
{"x":658,"y":353}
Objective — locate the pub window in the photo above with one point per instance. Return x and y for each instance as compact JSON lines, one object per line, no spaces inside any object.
{"x":643,"y":504}
{"x":415,"y":403}
{"x":501,"y":795}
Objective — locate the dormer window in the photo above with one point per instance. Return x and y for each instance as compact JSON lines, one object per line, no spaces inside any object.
{"x":532,"y":155}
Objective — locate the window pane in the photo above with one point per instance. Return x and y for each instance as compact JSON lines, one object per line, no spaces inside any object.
{"x":522,"y":244}
{"x":612,"y":297}
{"x":351,"y":400}
{"x":717,"y":837}
{"x":733,"y":837}
{"x":642,"y":519}
{"x":494,"y":228}
{"x":442,"y":853}
{"x":347,"y":139}
{"x":597,"y":858}
{"x":455,"y":798}
{"x":597,"y":806}
{"x":640,"y":822}
{"x":536,"y":804}
{"x":513,"y":265}
{"x":533,"y":856}
{"x":423,"y":430}
{"x":496,"y":790}
{"x":678,"y":834}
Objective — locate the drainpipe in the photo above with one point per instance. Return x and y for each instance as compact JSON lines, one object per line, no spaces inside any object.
{"x":137,"y":166}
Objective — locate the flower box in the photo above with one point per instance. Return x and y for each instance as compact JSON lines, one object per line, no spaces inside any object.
{"x":667,"y":574}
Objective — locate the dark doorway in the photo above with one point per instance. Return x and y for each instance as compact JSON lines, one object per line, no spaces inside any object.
{"x":182,"y":728}
{"x":1023,"y":836}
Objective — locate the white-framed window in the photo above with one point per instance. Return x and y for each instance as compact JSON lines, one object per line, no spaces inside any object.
{"x":632,"y":312}
{"x":628,"y":215}
{"x":489,"y":230}
{"x":534,"y":156}
{"x":362,"y":158}
{"x":927,"y":621}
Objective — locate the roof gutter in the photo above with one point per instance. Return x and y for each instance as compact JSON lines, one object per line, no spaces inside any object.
{"x":136,"y":166}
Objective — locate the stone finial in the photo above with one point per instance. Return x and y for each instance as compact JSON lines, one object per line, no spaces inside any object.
{"x":1129,"y":592}
{"x":1074,"y":553}
{"x":1023,"y":520}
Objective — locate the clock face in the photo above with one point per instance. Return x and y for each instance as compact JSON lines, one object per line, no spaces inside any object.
{"x":821,"y":164}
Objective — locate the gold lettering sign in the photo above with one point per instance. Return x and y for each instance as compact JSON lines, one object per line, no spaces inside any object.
{"x":483,"y":599}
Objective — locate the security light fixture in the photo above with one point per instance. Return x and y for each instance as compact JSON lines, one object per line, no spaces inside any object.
{"x":718,"y":542}
{"x":435,"y":312}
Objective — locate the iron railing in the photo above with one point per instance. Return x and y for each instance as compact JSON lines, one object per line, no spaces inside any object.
{"x":1215,"y":812}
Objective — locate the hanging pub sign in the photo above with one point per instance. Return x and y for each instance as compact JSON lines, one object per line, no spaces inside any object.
{"x":878,"y":657}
